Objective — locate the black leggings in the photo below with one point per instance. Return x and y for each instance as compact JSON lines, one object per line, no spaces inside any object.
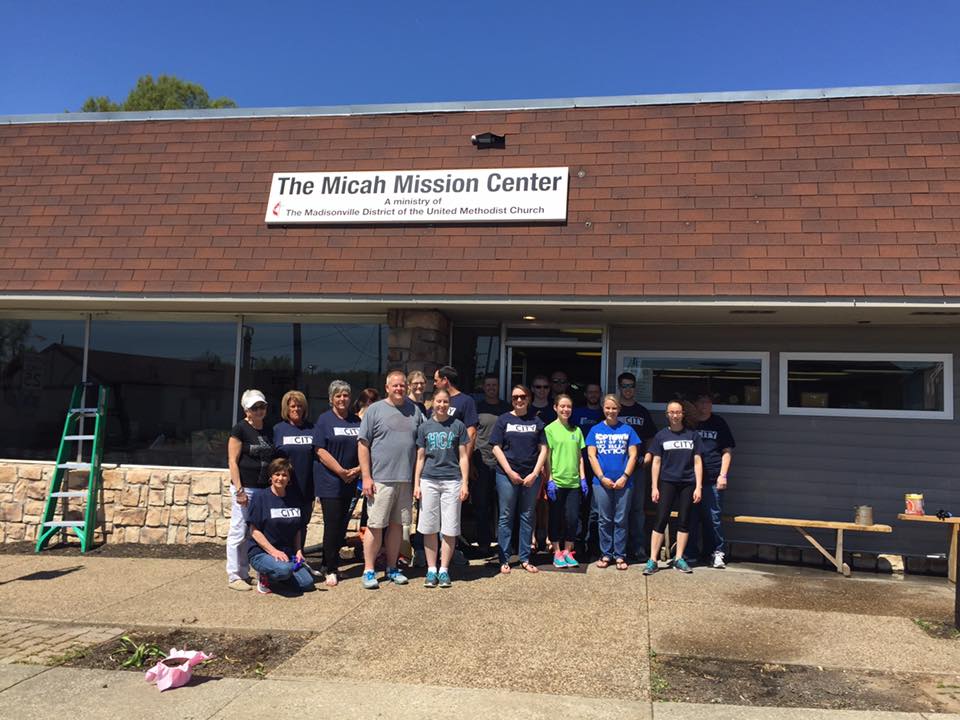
{"x":336,"y":513}
{"x":668,"y":493}
{"x":565,"y":511}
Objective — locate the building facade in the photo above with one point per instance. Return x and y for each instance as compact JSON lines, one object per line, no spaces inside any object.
{"x":795,"y":253}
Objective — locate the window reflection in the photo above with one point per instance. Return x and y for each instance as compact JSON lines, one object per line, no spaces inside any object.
{"x":732,"y":381}
{"x":866,"y":385}
{"x":277,"y":357}
{"x":476,"y":352}
{"x":171,"y":389}
{"x":40,"y":362}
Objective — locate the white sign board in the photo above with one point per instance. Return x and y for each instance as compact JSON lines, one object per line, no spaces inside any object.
{"x":419,"y":196}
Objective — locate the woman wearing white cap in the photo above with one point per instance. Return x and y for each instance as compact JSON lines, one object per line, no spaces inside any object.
{"x":249,"y":453}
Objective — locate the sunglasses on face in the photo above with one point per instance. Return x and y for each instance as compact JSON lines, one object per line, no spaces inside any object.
{"x":515,"y":398}
{"x":259,"y":406}
{"x":627,"y":386}
{"x":541,"y":387}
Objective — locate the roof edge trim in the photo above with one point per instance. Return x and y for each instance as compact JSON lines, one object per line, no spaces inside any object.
{"x":494,"y":105}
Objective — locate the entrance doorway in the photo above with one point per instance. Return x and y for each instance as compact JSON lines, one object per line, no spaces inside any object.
{"x":538,"y":351}
{"x":581,"y":366}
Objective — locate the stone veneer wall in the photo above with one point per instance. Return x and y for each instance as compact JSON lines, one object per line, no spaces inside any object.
{"x":140,"y":505}
{"x":419,"y":340}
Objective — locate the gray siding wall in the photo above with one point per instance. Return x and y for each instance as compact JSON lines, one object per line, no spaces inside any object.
{"x":821,"y":467}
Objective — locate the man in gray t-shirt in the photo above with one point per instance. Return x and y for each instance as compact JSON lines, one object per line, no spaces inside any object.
{"x":387,"y":452}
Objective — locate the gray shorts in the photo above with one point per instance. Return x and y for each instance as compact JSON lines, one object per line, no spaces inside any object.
{"x":390,"y":505}
{"x":439,"y":507}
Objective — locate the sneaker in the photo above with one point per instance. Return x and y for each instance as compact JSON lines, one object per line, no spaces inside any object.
{"x":681,"y":565}
{"x":430,"y":581}
{"x":396,"y":577}
{"x":331,"y":580}
{"x":263,"y":585}
{"x":459,"y":558}
{"x":570,"y":559}
{"x":718,"y":560}
{"x":238,"y":584}
{"x":444,"y":580}
{"x":651,"y":567}
{"x":559,"y":560}
{"x":370,"y":580}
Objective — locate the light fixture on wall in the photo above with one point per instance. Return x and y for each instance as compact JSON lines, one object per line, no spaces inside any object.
{"x":488,"y":141}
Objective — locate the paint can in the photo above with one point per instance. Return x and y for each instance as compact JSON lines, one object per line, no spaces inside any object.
{"x":864,"y":515}
{"x":914,"y":504}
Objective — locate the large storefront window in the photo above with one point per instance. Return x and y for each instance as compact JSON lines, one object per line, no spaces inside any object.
{"x":277,"y":357}
{"x":476,"y":353}
{"x":171,"y":386}
{"x":738,"y":381}
{"x":40,"y":362}
{"x":867,"y":385}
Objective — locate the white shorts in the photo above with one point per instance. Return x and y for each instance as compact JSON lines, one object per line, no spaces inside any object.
{"x":439,"y":507}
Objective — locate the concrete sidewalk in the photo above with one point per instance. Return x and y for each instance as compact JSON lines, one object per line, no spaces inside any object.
{"x":547,"y":645}
{"x":36,"y":693}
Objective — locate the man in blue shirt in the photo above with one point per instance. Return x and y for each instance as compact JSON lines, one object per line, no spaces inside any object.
{"x":638,"y":417}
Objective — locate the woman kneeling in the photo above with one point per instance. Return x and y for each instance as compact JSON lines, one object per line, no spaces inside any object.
{"x":275,"y":550}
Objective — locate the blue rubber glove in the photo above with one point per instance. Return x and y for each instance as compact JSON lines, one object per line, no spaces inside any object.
{"x":551,"y":490}
{"x":584,"y":488}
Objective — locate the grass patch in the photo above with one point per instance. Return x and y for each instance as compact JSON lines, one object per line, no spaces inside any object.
{"x":937,"y":629}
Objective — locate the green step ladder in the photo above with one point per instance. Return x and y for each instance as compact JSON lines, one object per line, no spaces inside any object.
{"x":80,"y":452}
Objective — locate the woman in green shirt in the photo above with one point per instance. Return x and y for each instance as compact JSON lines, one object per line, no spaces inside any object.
{"x":565,"y":481}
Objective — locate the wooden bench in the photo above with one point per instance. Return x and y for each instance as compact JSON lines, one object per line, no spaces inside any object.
{"x":802,"y":526}
{"x":953,"y":525}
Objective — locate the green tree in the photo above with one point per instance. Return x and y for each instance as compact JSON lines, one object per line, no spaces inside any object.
{"x":165,"y":93}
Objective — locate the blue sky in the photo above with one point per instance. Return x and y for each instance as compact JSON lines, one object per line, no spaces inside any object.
{"x":55,"y":54}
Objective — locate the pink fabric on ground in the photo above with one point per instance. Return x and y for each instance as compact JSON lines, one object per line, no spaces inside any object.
{"x":176,"y":669}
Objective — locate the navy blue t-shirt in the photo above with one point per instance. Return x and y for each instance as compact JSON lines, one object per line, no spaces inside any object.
{"x":278,"y":518}
{"x":338,"y":436}
{"x":520,"y":439}
{"x":296,"y":445}
{"x":585,"y":418}
{"x":716,"y":437}
{"x":464,"y":408}
{"x":676,"y":451}
{"x":638,"y":417}
{"x":546,"y":413}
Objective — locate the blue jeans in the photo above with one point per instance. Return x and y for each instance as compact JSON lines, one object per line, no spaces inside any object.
{"x":515,"y":499}
{"x":706,"y":521}
{"x":637,"y":520}
{"x":613,"y":508}
{"x":277,"y":571}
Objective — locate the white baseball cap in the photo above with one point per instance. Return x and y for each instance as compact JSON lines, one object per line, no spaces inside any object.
{"x":251,"y":398}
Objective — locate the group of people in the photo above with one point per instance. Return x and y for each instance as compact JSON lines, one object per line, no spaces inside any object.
{"x":581,"y":471}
